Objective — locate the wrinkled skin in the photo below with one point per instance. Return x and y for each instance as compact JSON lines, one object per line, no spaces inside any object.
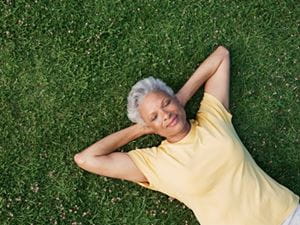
{"x":164,"y":115}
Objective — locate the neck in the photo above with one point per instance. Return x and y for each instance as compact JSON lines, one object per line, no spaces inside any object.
{"x":186,"y":129}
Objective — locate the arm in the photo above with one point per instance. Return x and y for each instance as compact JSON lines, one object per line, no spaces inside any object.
{"x":101,"y":159}
{"x":215,"y":72}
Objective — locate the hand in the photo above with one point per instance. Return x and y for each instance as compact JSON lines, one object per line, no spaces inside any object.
{"x":144,"y":129}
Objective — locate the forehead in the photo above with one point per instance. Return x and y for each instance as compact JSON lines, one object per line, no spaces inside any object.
{"x":152,"y":100}
{"x":155,"y":95}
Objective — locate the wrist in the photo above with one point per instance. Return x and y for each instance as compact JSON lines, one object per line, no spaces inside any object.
{"x":142,"y":130}
{"x":138,"y":130}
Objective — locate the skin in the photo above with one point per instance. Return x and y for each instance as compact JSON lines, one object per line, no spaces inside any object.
{"x":101,"y":157}
{"x":158,"y":110}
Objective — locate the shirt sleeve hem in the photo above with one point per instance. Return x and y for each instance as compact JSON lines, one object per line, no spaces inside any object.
{"x":148,"y":184}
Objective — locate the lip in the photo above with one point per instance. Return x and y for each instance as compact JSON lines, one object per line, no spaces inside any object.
{"x":173,"y":122}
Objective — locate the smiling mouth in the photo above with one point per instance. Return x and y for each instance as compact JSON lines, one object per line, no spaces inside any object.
{"x":173,"y":122}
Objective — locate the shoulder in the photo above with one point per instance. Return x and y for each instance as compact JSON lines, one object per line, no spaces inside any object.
{"x":211,"y":108}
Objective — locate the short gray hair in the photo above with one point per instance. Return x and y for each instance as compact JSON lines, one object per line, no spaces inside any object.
{"x":139,"y":91}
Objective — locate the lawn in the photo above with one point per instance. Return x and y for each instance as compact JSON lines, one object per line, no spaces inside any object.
{"x":66,"y":68}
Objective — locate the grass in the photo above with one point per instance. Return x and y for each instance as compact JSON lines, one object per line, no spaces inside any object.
{"x":66,"y":68}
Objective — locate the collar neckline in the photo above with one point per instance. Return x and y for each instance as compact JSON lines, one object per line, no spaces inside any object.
{"x":186,"y":138}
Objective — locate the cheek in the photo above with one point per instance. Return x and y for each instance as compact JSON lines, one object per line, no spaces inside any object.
{"x":157,"y":128}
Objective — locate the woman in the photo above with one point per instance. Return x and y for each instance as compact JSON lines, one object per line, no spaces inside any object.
{"x":202,"y":162}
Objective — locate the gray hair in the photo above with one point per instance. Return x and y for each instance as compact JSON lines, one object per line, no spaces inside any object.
{"x":139,"y":91}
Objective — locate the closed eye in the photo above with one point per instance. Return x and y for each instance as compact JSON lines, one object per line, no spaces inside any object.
{"x":167,"y":102}
{"x":153,"y":117}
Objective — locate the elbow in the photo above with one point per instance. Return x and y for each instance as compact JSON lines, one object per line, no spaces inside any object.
{"x":79,"y":159}
{"x":83,"y":156}
{"x":225,"y":52}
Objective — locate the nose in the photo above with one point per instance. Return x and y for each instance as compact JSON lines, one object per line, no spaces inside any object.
{"x":166,"y":115}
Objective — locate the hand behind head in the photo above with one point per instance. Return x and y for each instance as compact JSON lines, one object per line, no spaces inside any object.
{"x":145,"y":129}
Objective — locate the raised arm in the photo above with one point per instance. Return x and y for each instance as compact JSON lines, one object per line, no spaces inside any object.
{"x":215,"y":71}
{"x":101,"y":159}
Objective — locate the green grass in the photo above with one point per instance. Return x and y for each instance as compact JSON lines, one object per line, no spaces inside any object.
{"x":65,"y":71}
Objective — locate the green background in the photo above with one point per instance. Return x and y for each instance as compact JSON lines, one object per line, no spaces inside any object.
{"x":66,"y":68}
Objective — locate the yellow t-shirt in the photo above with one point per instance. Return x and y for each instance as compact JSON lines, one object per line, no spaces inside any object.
{"x":212,"y":173}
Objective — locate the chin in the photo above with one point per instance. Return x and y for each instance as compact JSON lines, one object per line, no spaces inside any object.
{"x":178,"y":127}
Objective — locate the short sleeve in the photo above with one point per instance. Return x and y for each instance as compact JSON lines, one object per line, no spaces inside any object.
{"x":212,"y":109}
{"x":145,"y":160}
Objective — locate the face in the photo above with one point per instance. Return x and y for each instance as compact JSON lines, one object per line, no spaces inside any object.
{"x":163,"y":114}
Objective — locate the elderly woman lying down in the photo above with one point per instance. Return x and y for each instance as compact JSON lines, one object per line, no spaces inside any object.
{"x":202,"y":162}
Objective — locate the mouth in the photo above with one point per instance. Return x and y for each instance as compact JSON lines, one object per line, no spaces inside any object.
{"x":173,"y":121}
